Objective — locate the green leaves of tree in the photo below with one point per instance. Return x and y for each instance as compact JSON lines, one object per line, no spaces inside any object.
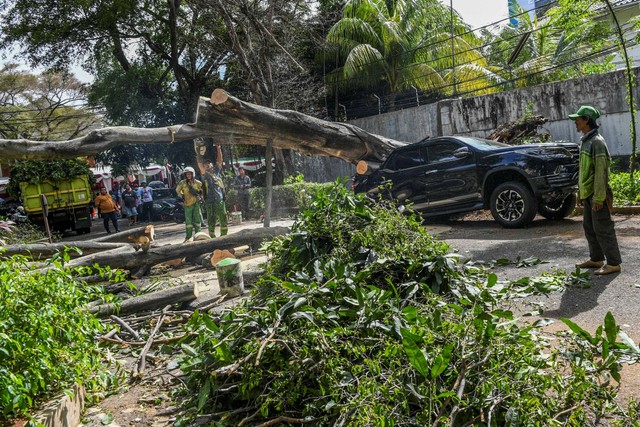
{"x":47,"y":340}
{"x":364,"y":319}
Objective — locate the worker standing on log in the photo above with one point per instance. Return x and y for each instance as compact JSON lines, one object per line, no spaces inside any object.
{"x":214,"y":195}
{"x":190,"y":189}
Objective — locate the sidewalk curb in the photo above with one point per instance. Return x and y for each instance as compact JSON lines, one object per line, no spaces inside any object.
{"x":620,"y":210}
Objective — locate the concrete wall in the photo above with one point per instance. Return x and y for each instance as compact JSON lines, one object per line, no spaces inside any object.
{"x":479,"y":116}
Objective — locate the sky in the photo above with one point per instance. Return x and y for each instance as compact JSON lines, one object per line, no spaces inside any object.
{"x":479,"y":13}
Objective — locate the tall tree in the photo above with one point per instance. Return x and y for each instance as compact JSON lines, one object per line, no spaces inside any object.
{"x":43,"y":107}
{"x":402,"y":44}
{"x":149,"y":56}
{"x":568,"y":41}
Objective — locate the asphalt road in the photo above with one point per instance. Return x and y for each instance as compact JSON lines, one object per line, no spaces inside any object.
{"x":561,"y":244}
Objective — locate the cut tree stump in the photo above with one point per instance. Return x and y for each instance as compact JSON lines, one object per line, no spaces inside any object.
{"x":148,"y":302}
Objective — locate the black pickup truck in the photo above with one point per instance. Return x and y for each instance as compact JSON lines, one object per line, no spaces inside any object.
{"x":454,"y":174}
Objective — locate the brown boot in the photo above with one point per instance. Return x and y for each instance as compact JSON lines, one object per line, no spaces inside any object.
{"x":590,"y":264}
{"x":607,"y":269}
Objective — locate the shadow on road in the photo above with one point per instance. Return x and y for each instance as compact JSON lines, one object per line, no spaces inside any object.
{"x":579,"y":300}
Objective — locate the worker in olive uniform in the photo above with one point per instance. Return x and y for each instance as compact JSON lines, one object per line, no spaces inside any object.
{"x":595,"y":195}
{"x":214,"y":195}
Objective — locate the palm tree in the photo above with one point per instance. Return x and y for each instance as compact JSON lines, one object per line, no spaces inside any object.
{"x":567,"y":42}
{"x":402,"y":44}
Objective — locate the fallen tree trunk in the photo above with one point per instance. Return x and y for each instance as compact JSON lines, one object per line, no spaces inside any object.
{"x":235,"y":121}
{"x":120,"y":237}
{"x":227,"y":120}
{"x":126,"y":258}
{"x":148,"y":302}
{"x":38,"y":251}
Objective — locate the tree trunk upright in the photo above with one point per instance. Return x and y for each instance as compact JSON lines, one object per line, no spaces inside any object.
{"x":268,"y":184}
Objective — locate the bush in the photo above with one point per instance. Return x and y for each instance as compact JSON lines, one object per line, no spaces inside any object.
{"x":286,"y":198}
{"x":626,"y":191}
{"x":46,"y":339}
{"x":365,"y":319}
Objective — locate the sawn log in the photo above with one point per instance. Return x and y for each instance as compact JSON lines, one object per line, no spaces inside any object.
{"x":150,"y":301}
{"x":39,"y":251}
{"x":128,"y":259}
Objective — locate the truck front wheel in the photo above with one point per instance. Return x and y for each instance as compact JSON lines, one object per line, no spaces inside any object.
{"x":513,"y":205}
{"x":558,"y":209}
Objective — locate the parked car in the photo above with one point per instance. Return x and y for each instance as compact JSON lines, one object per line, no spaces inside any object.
{"x":164,"y":203}
{"x":157,"y":184}
{"x":453,"y":174}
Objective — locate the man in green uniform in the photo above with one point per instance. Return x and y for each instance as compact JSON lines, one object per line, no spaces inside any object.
{"x":190,"y":189}
{"x":595,"y":195}
{"x":214,"y":195}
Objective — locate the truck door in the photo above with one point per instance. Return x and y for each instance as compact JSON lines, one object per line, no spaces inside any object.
{"x":450,"y":175}
{"x":400,"y":172}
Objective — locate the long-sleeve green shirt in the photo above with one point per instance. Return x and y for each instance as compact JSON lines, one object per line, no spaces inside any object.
{"x":594,"y":168}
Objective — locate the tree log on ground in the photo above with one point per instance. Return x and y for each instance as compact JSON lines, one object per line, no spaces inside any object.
{"x":126,"y":258}
{"x":150,"y":301}
{"x":226,"y":120}
{"x":38,"y":251}
{"x":122,"y":236}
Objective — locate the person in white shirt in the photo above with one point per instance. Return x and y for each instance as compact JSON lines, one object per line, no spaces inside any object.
{"x":146,"y":197}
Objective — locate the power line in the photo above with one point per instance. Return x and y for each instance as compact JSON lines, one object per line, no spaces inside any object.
{"x":346,"y":81}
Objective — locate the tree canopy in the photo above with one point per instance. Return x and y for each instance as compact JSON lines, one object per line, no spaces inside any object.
{"x":43,"y":107}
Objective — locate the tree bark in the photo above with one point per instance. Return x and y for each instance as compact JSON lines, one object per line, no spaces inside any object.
{"x":227,"y":120}
{"x":126,"y":258}
{"x":120,"y":237}
{"x":45,"y":250}
{"x":236,"y":121}
{"x":95,"y":142}
{"x":147,"y":302}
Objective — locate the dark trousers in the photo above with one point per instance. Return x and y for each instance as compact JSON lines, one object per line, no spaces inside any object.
{"x":113,"y":216}
{"x":601,"y":236}
{"x":147,"y":211}
{"x":244,"y":200}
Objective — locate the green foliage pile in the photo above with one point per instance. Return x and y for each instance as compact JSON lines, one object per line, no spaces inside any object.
{"x":35,"y":171}
{"x":626,"y":191}
{"x":22,"y":233}
{"x":46,"y":338}
{"x":365,"y":319}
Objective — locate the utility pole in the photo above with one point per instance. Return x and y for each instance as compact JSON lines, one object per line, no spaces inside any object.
{"x":453,"y":53}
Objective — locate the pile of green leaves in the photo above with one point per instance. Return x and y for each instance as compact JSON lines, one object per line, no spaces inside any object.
{"x":21,"y":233}
{"x":36,"y":171}
{"x":365,"y":319}
{"x":626,"y":191}
{"x":46,"y":338}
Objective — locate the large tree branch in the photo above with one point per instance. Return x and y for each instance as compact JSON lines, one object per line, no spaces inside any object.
{"x":234,"y":121}
{"x":227,"y":120}
{"x":95,"y":142}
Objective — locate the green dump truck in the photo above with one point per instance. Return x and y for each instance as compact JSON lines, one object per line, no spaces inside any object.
{"x":68,"y":203}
